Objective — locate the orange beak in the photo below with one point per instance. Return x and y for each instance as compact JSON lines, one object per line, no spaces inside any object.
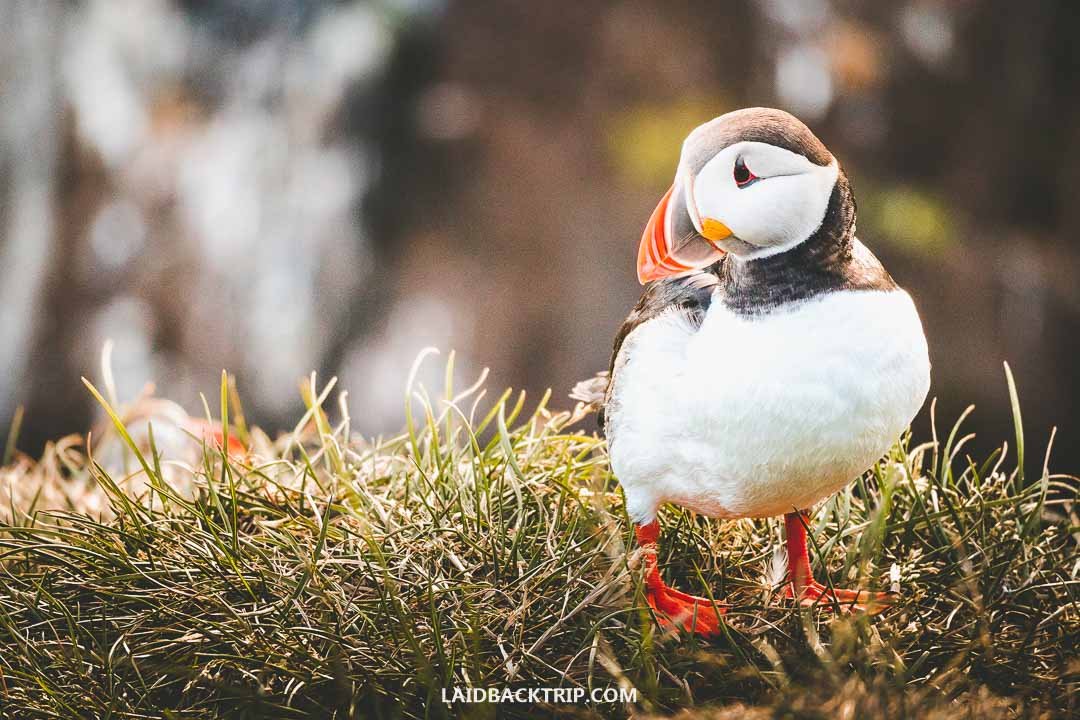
{"x":657,"y":255}
{"x":654,"y":259}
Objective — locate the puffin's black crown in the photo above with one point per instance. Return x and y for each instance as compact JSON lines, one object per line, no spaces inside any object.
{"x":764,"y":125}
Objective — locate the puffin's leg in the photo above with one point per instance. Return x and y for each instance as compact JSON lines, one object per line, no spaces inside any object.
{"x":801,"y":583}
{"x":673,"y":608}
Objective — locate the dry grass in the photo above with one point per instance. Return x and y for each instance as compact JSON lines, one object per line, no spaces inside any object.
{"x":322,"y":576}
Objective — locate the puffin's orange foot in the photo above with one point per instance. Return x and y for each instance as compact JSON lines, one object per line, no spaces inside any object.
{"x":686,"y":613}
{"x":814,"y":593}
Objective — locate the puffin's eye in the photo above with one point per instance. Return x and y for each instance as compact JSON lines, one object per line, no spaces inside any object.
{"x":742,"y":174}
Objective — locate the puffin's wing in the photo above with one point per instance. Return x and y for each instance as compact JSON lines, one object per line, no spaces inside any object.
{"x":688,"y":295}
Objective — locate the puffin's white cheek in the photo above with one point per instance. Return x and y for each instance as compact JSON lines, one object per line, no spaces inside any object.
{"x":761,"y":213}
{"x":780,"y":211}
{"x":741,"y":210}
{"x":714,"y":192}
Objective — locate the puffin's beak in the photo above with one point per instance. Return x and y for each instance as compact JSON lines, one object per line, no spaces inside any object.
{"x":670,"y":245}
{"x":654,"y":259}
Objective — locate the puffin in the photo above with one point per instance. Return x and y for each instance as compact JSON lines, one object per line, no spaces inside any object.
{"x":771,"y":359}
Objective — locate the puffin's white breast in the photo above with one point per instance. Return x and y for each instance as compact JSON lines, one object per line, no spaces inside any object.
{"x":753,"y":416}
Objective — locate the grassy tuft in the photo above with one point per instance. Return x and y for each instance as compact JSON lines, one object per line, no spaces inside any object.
{"x":486,"y":546}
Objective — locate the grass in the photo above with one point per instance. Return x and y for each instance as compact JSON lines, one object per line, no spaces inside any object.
{"x":487,"y":547}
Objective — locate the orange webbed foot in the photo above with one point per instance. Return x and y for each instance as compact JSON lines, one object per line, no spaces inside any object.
{"x":838,"y":599}
{"x":801,"y":585}
{"x":686,"y":613}
{"x":675,"y":610}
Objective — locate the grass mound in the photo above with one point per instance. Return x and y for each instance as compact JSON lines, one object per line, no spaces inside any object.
{"x":486,"y":547}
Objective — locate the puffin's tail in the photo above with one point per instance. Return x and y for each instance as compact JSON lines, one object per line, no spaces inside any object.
{"x":592,"y":393}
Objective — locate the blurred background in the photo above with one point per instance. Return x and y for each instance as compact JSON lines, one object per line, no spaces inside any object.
{"x":280,"y":186}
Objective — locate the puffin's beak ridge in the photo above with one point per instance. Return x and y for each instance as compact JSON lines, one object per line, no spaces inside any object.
{"x":654,"y":254}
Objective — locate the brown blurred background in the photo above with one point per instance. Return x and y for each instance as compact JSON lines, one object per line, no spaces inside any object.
{"x":276,"y":186}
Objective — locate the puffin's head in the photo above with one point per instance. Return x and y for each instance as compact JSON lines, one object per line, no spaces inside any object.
{"x":753,"y":182}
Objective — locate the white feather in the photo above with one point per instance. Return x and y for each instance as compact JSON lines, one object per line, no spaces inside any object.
{"x":758,"y":416}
